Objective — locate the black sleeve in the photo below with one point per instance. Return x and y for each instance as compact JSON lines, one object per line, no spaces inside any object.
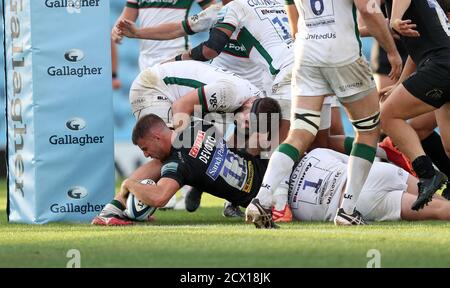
{"x":217,"y":41}
{"x":175,"y":169}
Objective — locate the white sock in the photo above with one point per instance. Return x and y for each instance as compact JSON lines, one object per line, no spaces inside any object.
{"x":357,"y":170}
{"x":280,"y":195}
{"x":280,"y":166}
{"x":111,"y":209}
{"x":381,"y":153}
{"x":184,"y":190}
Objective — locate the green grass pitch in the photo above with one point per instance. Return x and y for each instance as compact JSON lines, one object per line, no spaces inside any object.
{"x":206,"y":239}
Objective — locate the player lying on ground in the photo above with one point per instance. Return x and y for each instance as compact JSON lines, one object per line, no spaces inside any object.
{"x":317,"y":183}
{"x":197,"y":156}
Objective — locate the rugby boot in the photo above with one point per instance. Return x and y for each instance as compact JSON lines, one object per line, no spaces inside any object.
{"x":344,"y":219}
{"x":427,"y":188}
{"x":110,"y":220}
{"x":193,"y":199}
{"x":229,"y":210}
{"x":259,"y":216}
{"x":395,"y":156}
{"x":284,"y":215}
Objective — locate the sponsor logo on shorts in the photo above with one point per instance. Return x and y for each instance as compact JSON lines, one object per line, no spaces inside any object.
{"x":435,"y":94}
{"x":346,"y":87}
{"x":197,"y":144}
{"x":77,"y":192}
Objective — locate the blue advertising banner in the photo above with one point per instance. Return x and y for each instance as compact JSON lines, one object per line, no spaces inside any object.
{"x":59,"y":109}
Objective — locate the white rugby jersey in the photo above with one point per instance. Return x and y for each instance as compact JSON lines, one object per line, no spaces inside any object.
{"x":328,"y":33}
{"x":176,"y":79}
{"x":325,"y":172}
{"x":234,"y":57}
{"x":262,"y":27}
{"x":155,"y":12}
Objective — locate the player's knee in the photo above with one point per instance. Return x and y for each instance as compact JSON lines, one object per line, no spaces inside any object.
{"x":306,"y":120}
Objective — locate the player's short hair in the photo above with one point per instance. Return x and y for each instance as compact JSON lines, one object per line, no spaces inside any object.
{"x":272,"y":110}
{"x":145,"y":125}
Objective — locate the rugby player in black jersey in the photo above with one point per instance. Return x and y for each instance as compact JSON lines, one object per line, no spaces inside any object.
{"x":424,"y":29}
{"x":197,"y":156}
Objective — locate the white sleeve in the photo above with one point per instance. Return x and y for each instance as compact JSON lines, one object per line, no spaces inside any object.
{"x":230,"y":15}
{"x":202,"y":21}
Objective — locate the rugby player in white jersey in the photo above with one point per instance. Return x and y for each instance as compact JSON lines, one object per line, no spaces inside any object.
{"x":317,"y":184}
{"x":234,"y":58}
{"x":170,"y":89}
{"x":329,"y":61}
{"x":151,"y":13}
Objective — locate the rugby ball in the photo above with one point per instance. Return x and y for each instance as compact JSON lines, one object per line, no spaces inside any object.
{"x":136,"y":209}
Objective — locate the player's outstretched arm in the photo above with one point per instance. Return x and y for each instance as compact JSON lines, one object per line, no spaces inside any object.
{"x":166,"y":31}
